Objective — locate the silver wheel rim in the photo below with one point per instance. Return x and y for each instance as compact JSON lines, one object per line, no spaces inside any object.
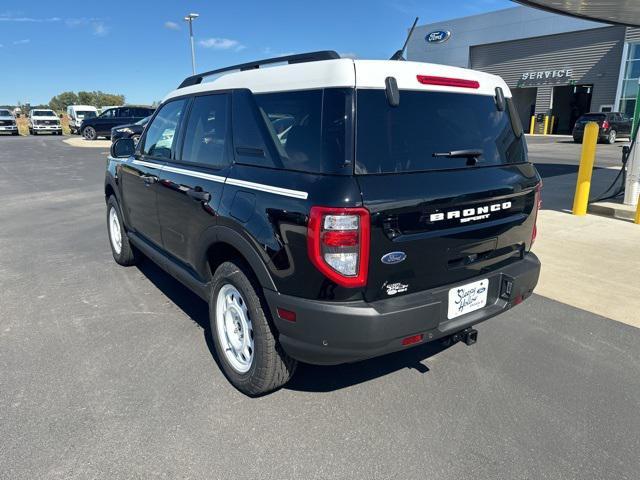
{"x":612,"y":136}
{"x":88,"y":133}
{"x":115,"y":234}
{"x":234,"y":328}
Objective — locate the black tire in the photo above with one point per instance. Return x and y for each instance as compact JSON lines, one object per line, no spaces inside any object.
{"x":15,"y":133}
{"x":611,"y":137}
{"x":271,"y":367}
{"x":577,"y":140}
{"x":126,"y":256}
{"x":33,"y":132}
{"x":89,"y":133}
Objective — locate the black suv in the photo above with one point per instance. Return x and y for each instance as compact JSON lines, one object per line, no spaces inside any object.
{"x":100,"y":126}
{"x":329,"y":223}
{"x":612,"y":125}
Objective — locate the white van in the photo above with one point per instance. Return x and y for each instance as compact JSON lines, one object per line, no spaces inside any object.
{"x":77,"y":113}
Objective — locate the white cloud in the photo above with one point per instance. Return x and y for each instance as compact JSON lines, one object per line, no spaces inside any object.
{"x":99,"y":29}
{"x":6,"y":17}
{"x":221,"y":44}
{"x":171,"y":25}
{"x":96,"y":25}
{"x":22,"y":42}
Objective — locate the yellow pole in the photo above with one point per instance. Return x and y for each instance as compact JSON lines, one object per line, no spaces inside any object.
{"x":637,"y":220}
{"x":532,"y":128}
{"x":546,"y":124}
{"x":553,"y":121}
{"x":587,"y":160}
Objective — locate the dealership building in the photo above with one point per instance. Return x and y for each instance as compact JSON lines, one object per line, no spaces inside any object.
{"x":555,"y":65}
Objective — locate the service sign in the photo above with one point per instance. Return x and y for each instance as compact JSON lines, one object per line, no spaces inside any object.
{"x":438,"y":36}
{"x":546,"y":77}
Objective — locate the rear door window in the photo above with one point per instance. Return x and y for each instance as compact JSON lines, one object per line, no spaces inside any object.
{"x":205,"y":140}
{"x":404,"y":138}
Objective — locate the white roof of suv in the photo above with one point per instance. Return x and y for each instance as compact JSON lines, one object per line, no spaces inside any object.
{"x":346,"y":72}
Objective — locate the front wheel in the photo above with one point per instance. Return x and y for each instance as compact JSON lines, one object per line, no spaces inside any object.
{"x":244,"y":338}
{"x":121,"y":249}
{"x":89,"y":133}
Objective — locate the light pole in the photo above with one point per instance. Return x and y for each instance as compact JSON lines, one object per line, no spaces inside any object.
{"x":190,"y":18}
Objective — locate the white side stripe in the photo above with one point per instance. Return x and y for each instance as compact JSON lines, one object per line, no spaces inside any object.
{"x":268,"y":188}
{"x":193,"y":173}
{"x":147,"y":164}
{"x":231,"y":181}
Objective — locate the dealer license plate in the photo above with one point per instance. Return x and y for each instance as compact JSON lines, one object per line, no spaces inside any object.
{"x":468,"y":298}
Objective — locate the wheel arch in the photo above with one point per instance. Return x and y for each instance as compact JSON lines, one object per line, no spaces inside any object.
{"x":223,"y":244}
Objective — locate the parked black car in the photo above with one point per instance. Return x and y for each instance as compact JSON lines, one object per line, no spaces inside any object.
{"x":612,"y":125}
{"x":352,"y":229}
{"x":133,"y":131}
{"x":100,"y":126}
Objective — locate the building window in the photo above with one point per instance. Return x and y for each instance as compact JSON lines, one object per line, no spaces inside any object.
{"x":630,"y":79}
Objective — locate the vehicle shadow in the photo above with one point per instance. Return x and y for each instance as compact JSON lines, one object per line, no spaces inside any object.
{"x":308,"y":378}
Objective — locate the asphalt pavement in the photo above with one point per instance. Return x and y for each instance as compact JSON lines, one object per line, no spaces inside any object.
{"x":107,"y":372}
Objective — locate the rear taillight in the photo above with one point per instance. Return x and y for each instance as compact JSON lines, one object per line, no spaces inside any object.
{"x":537,"y":206}
{"x":448,"y":82}
{"x":338,"y":244}
{"x":605,"y":124}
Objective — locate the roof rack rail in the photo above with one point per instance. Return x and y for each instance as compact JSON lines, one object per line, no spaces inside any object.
{"x":290,"y":59}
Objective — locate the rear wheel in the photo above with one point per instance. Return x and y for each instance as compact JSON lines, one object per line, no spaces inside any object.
{"x":611,"y":138}
{"x":121,"y":249}
{"x":244,"y":338}
{"x":89,"y":133}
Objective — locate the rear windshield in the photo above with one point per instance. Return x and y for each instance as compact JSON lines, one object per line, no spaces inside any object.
{"x":592,"y":117}
{"x":404,"y":138}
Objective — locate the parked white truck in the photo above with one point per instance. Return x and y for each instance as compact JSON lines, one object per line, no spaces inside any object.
{"x":44,"y":120}
{"x":8,"y":122}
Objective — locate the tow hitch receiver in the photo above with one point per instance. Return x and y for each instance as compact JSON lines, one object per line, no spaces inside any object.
{"x":468,"y":336}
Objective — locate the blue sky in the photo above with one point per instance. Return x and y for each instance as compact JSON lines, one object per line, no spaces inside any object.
{"x":140,"y":47}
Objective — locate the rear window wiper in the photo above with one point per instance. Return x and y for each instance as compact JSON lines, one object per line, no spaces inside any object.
{"x":471,"y":155}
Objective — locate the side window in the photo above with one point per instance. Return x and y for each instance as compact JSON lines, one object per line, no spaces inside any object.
{"x":310,"y":128}
{"x":111,"y":113}
{"x":160,"y":134}
{"x":205,"y":139}
{"x":125,"y":112}
{"x":250,"y":132}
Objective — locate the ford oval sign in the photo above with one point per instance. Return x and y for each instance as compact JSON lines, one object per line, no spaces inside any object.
{"x":438,"y":36}
{"x":393,"y":257}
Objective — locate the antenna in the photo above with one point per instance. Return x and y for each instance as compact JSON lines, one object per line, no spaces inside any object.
{"x":399,"y":55}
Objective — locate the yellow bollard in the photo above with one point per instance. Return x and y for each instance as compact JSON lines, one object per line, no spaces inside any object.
{"x":553,"y":121}
{"x":546,"y":124}
{"x":637,"y":220}
{"x":532,"y":128}
{"x":587,"y":160}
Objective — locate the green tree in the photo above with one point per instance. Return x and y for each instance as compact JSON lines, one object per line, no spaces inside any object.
{"x":62,"y":101}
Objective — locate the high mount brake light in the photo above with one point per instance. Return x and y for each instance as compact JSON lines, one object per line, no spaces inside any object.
{"x":448,"y":82}
{"x":338,"y":244}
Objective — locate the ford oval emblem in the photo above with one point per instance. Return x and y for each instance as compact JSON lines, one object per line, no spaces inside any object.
{"x":438,"y":36}
{"x":393,"y":257}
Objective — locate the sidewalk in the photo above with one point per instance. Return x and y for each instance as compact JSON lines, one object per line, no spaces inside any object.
{"x":590,"y":262}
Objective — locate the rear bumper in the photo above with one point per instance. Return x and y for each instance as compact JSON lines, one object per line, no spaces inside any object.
{"x":329,"y":333}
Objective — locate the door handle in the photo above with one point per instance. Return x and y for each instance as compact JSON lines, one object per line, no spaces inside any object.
{"x":199,"y":195}
{"x":149,"y":179}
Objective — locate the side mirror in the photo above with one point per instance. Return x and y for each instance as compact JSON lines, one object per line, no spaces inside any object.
{"x":123,"y":148}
